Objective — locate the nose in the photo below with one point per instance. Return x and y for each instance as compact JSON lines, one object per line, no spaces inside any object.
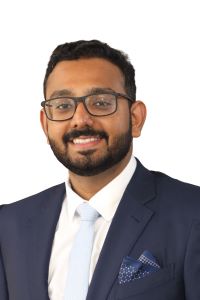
{"x":81,"y":117}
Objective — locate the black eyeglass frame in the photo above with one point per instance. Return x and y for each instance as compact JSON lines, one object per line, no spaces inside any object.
{"x":82,"y":100}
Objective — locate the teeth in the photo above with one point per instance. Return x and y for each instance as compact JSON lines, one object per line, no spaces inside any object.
{"x":85,"y":141}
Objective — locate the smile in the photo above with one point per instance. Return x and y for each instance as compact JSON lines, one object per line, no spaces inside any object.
{"x":85,"y":140}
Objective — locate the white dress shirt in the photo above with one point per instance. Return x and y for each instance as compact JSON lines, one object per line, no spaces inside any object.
{"x":105,"y":202}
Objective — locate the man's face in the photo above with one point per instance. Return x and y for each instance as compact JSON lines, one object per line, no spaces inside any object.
{"x":88,"y":145}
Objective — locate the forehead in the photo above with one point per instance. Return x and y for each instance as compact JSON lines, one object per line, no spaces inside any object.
{"x":81,"y":75}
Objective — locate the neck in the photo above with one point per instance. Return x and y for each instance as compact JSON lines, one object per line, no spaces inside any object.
{"x":88,"y":186}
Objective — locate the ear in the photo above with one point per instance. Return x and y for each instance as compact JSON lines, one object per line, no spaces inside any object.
{"x":44,"y":123}
{"x":138,"y":116}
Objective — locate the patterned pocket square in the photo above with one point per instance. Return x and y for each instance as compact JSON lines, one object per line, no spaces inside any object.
{"x":132,"y":269}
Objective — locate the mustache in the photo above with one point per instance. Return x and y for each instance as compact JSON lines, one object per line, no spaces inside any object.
{"x":86,"y":132}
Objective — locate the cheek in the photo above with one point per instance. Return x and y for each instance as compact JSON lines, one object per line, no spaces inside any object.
{"x":119,"y":125}
{"x":56,"y":131}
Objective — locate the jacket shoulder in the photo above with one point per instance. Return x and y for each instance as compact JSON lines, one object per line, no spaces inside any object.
{"x":163,"y":184}
{"x":174,"y":184}
{"x":177,"y":194}
{"x":34,"y":201}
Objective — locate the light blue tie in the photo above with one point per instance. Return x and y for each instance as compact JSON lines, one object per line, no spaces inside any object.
{"x":79,"y":259}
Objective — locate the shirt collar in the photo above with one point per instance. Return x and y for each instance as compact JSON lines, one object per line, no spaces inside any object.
{"x":73,"y":200}
{"x":108,"y":198}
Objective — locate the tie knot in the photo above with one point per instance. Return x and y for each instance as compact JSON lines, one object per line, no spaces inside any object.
{"x":87,"y":212}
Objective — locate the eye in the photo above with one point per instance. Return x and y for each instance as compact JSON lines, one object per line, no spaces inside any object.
{"x":61,"y":105}
{"x":64,"y":106}
{"x":102,"y":103}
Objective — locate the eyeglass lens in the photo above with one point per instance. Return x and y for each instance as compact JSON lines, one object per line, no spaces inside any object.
{"x":64,"y":108}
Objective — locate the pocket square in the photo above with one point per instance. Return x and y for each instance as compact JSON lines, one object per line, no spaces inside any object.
{"x":132,"y":269}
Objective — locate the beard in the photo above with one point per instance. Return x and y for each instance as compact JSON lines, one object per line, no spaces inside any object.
{"x":90,"y":164}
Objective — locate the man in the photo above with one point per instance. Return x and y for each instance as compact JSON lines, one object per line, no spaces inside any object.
{"x":144,"y":242}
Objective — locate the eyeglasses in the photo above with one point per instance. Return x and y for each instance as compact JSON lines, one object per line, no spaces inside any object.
{"x":99,"y":105}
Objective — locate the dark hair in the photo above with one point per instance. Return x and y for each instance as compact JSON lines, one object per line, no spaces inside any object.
{"x":90,"y":49}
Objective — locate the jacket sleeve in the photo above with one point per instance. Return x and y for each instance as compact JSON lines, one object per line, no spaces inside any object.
{"x":3,"y":283}
{"x":192,"y":264}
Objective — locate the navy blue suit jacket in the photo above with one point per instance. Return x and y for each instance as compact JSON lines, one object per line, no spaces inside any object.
{"x":156,"y":213}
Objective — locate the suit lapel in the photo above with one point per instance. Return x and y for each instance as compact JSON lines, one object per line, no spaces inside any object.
{"x":128,"y":224}
{"x":40,"y":230}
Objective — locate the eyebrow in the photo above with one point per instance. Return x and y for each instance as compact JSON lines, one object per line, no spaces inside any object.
{"x":94,"y":90}
{"x":61,"y":93}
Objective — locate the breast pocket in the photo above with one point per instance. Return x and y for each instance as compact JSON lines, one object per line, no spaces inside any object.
{"x":143,"y":285}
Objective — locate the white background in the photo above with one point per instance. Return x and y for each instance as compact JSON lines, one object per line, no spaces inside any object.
{"x":162,"y":39}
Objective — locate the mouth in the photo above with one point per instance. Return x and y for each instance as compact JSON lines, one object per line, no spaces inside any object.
{"x":86,"y":141}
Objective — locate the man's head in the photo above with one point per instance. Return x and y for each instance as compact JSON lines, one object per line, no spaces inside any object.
{"x":90,"y":135}
{"x":94,"y":49}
